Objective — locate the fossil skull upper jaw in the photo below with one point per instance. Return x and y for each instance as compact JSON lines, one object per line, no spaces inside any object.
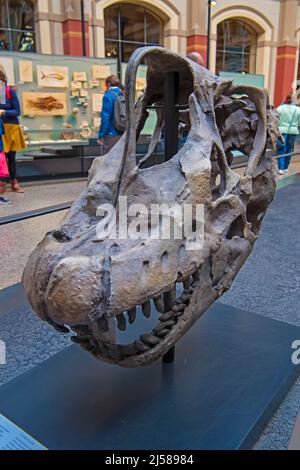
{"x":74,"y":279}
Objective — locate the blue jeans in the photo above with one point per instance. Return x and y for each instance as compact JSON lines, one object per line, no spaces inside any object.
{"x":287,"y":149}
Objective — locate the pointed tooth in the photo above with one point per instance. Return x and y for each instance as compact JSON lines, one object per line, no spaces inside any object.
{"x":146,"y":308}
{"x":131,"y":315}
{"x":164,"y":325}
{"x":142,"y":347}
{"x":102,"y":324}
{"x":159,"y":304}
{"x":121,"y":320}
{"x":150,"y":339}
{"x":167,"y":316}
{"x":129,"y":349}
{"x":162,"y":333}
{"x":169,"y":299}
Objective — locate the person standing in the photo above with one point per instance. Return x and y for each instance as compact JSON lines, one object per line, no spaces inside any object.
{"x":13,"y":138}
{"x":289,"y":121}
{"x":108,"y":134}
{"x":3,"y":167}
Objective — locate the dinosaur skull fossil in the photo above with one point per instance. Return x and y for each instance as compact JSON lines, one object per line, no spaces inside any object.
{"x":74,"y":280}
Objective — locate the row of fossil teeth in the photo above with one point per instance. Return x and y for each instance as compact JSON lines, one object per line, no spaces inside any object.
{"x":147,"y":341}
{"x":162,"y":304}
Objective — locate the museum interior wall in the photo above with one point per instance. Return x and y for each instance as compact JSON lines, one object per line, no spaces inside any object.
{"x":255,"y":38}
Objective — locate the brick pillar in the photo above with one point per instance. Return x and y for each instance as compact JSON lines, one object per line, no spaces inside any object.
{"x":72,"y":37}
{"x":196,"y":27}
{"x":286,"y":51}
{"x":197,"y":43}
{"x":72,"y":30}
{"x":285,"y":72}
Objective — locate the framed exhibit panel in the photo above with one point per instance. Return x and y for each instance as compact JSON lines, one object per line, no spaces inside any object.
{"x":52,"y":76}
{"x":7,"y":65}
{"x":25,"y":71}
{"x":51,"y":87}
{"x":44,"y":104}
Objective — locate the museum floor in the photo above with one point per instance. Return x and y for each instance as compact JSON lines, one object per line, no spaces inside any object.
{"x":267,"y":283}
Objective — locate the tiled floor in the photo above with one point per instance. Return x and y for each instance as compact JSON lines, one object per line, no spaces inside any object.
{"x":42,"y":194}
{"x":295,"y":440}
{"x":18,"y":240}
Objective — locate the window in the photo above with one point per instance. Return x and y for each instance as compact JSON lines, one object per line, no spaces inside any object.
{"x":17,"y":25}
{"x":127,"y":27}
{"x":236,"y":47}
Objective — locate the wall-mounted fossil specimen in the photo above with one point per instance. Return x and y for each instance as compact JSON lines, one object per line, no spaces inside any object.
{"x":52,"y":76}
{"x":44,"y":104}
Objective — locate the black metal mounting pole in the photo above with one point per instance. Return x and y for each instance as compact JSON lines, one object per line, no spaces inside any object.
{"x":83,"y":28}
{"x":208,"y":34}
{"x":169,"y":357}
{"x":171,"y":114}
{"x":171,"y":147}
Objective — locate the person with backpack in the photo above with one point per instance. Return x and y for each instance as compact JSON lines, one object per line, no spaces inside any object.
{"x":113,"y":118}
{"x":289,"y":121}
{"x":13,"y":138}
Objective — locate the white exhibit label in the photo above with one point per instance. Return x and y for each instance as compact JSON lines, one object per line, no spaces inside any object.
{"x":14,"y":438}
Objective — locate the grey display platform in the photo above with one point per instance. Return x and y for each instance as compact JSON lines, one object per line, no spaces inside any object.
{"x":231,"y":372}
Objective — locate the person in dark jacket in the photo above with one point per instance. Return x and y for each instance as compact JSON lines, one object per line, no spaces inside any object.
{"x":108,"y":134}
{"x":13,"y":138}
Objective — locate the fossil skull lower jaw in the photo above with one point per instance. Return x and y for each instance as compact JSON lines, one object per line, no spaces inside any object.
{"x":74,"y":280}
{"x":176,"y":310}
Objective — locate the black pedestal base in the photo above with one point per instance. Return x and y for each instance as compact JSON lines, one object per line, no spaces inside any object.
{"x":230,"y":373}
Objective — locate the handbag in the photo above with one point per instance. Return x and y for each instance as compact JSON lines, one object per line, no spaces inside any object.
{"x":3,"y":166}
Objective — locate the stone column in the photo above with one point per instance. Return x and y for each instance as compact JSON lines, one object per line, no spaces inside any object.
{"x":286,"y":51}
{"x":42,"y":27}
{"x":197,"y":27}
{"x":55,"y":19}
{"x":98,"y":25}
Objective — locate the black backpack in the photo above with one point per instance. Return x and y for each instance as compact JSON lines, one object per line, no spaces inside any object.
{"x":119,"y":119}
